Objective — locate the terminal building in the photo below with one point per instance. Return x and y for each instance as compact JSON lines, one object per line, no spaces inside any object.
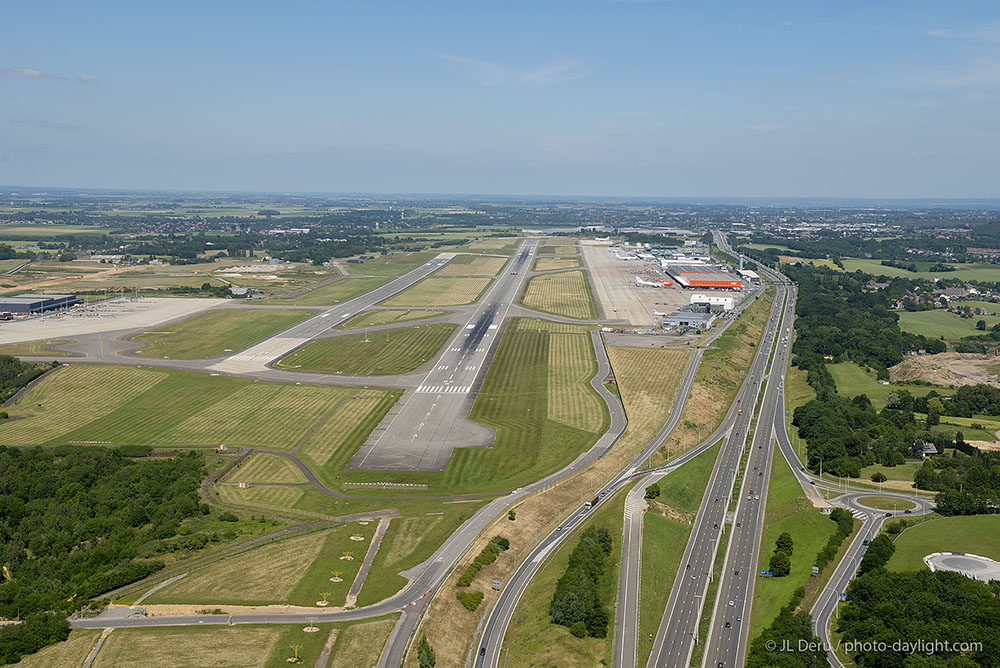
{"x":28,"y":303}
{"x":703,"y":276}
{"x":714,"y":302}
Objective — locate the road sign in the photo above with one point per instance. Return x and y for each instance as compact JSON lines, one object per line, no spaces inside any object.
{"x":766,"y":573}
{"x":815,"y":570}
{"x":843,"y":596}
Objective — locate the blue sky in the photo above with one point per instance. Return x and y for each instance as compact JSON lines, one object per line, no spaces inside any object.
{"x":679,"y":98}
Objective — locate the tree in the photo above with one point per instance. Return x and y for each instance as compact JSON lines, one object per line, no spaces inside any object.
{"x":878,"y":476}
{"x":933,"y":417}
{"x":784,"y":543}
{"x":425,"y":654}
{"x":981,"y":325}
{"x":780,"y":565}
{"x":653,"y":491}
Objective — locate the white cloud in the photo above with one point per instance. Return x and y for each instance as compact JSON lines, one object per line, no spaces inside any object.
{"x":50,"y":125}
{"x":28,"y":73}
{"x":88,"y":78}
{"x":488,"y":73}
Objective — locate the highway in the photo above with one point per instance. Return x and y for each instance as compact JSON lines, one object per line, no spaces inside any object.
{"x":678,"y":629}
{"x":499,"y":618}
{"x":431,"y":420}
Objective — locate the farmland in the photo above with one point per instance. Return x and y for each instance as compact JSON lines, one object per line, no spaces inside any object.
{"x":217,"y":332}
{"x":159,"y":407}
{"x":388,"y":352}
{"x":566,"y":294}
{"x":963,"y":271}
{"x":387,"y":317}
{"x":942,"y":323}
{"x":441,"y":291}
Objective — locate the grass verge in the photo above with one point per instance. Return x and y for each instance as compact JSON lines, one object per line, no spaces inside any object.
{"x":217,"y":332}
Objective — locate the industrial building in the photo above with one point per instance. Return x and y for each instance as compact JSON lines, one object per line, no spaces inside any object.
{"x":723,"y":303}
{"x":32,"y":303}
{"x":703,"y":276}
{"x":699,"y":316}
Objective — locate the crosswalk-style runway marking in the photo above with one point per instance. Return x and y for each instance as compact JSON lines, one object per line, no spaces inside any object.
{"x":247,"y":357}
{"x":444,"y":389}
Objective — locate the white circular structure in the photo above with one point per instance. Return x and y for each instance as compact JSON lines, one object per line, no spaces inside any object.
{"x":970,"y":565}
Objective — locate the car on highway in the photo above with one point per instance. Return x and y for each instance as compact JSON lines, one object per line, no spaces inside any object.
{"x":732,"y":603}
{"x":728,"y":625}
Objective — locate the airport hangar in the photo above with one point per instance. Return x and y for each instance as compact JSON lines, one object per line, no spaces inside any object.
{"x":28,"y":303}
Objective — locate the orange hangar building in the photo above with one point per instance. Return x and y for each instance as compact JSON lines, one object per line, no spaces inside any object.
{"x":703,"y":276}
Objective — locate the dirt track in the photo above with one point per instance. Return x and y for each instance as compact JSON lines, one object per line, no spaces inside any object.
{"x":949,"y":369}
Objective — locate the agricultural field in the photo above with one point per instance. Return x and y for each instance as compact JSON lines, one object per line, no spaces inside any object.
{"x":566,"y":294}
{"x":383,"y":353}
{"x":262,"y":467}
{"x":441,"y":291}
{"x":535,"y":641}
{"x":472,"y":265}
{"x":852,"y":380}
{"x":989,"y":307}
{"x":293,"y":571}
{"x":22,"y":230}
{"x":217,"y":332}
{"x":963,"y":271}
{"x":388,"y":317}
{"x":938,"y":323}
{"x":166,"y":407}
{"x":555,"y":263}
{"x":975,"y":534}
{"x":816,"y":262}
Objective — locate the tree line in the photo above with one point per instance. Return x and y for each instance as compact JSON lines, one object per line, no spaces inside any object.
{"x":578,"y":602}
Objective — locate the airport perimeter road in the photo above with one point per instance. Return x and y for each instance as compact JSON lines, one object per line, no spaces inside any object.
{"x":431,"y":420}
{"x":729,"y":629}
{"x":678,"y":629}
{"x":256,"y":358}
{"x":425,"y":577}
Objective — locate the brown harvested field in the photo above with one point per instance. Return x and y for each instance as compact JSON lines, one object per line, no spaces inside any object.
{"x":502,"y":243}
{"x":360,"y":645}
{"x":264,"y":467}
{"x":450,"y":628}
{"x":262,"y":575}
{"x":566,"y":294}
{"x":559,"y":249}
{"x":441,"y":291}
{"x":718,"y":378}
{"x":71,"y":652}
{"x":476,"y":266}
{"x":954,"y":369}
{"x":553,"y":263}
{"x":220,"y":646}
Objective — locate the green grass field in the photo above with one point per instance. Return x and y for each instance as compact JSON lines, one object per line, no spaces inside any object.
{"x":166,"y":407}
{"x":886,"y":503}
{"x":333,"y":293}
{"x":552,"y":263}
{"x":472,"y":265}
{"x":559,"y":248}
{"x":975,"y":534}
{"x":33,"y":348}
{"x":566,"y":293}
{"x":262,"y":467}
{"x":852,"y":380}
{"x":990,"y":307}
{"x":964,"y":271}
{"x":441,"y":291}
{"x":532,"y":638}
{"x":902,"y":471}
{"x":386,"y":317}
{"x":383,"y":353}
{"x":217,"y":332}
{"x":787,"y":510}
{"x":71,"y":652}
{"x":942,"y":323}
{"x":22,"y":230}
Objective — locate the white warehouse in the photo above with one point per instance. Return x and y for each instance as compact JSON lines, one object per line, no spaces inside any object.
{"x":726,"y":303}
